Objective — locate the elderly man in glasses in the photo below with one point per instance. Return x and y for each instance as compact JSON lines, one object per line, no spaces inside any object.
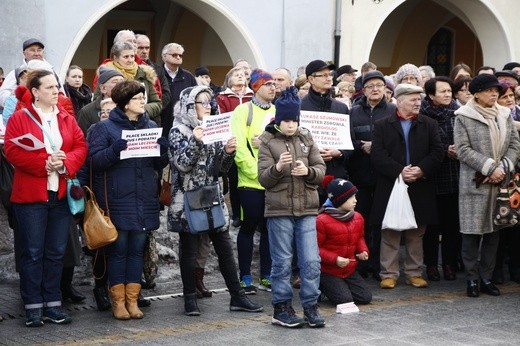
{"x":178,"y":80}
{"x":320,"y":75}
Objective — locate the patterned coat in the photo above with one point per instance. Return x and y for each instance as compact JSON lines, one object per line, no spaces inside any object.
{"x":193,"y":163}
{"x":473,"y":143}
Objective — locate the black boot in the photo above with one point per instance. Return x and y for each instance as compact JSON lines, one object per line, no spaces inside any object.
{"x":191,"y":307}
{"x":102,"y":299}
{"x":141,"y":302}
{"x":202,"y":291}
{"x":240,"y":302}
{"x":488,"y":287}
{"x":67,"y":291}
{"x":472,"y":289}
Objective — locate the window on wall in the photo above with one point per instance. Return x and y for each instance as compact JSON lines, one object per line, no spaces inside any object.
{"x":440,"y":52}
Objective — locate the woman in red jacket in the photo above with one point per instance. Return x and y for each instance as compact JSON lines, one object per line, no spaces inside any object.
{"x":45,"y":145}
{"x":342,"y":243}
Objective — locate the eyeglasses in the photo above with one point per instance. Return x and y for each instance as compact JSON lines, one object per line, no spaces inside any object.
{"x":270,"y":85}
{"x":374,"y":86}
{"x":105,"y":112}
{"x":138,"y":98}
{"x":175,"y":55}
{"x":326,"y":75}
{"x":205,"y":104}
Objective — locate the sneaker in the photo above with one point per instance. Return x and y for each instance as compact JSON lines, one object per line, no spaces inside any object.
{"x":313,"y":317}
{"x":242,"y":303}
{"x":247,"y":284}
{"x":265,"y":284}
{"x":388,"y":283}
{"x":285,"y":316}
{"x":55,"y":315}
{"x":417,"y":281}
{"x":33,"y":317}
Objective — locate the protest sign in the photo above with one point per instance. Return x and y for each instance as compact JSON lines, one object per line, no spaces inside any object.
{"x":329,"y":130}
{"x":141,"y":143}
{"x":217,"y":128}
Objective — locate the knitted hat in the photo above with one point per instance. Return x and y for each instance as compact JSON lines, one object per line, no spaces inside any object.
{"x":37,"y":64}
{"x":105,"y":73}
{"x":408,"y":69}
{"x":201,"y":71}
{"x":373,"y":75}
{"x":288,"y":106}
{"x":339,"y":191}
{"x":390,"y":83}
{"x":258,"y":78}
{"x":482,"y":82}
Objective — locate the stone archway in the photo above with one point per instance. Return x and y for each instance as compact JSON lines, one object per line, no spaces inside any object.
{"x":403,"y":35}
{"x":229,"y":28}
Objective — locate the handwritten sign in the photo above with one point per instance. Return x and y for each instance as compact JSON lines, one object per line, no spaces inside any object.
{"x":141,"y":143}
{"x":329,"y":130}
{"x":217,"y":128}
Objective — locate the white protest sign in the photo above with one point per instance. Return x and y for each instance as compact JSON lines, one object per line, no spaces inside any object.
{"x":217,"y":128}
{"x":141,"y":143}
{"x":329,"y":130}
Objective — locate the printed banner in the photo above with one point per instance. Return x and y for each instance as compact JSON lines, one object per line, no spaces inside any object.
{"x":329,"y":130}
{"x":141,"y":143}
{"x":217,"y":128}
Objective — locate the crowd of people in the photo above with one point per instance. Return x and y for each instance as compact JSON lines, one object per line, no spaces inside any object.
{"x":319,"y":210}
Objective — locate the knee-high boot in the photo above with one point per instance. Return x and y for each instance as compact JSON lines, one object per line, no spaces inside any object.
{"x":132,"y":294}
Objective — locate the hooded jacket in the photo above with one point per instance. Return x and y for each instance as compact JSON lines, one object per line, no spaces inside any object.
{"x":285,"y":194}
{"x":194,"y":164}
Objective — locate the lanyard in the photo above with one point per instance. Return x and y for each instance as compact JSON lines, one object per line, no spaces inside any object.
{"x":53,"y":147}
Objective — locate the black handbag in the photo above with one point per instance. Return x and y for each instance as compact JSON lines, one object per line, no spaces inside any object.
{"x":507,"y":206}
{"x":202,"y":209}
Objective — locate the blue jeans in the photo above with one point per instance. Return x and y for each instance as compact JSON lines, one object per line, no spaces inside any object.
{"x":43,"y":232}
{"x":282,"y":231}
{"x":125,"y":257}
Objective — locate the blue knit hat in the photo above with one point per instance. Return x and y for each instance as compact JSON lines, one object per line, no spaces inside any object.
{"x":339,"y":191}
{"x":288,"y":106}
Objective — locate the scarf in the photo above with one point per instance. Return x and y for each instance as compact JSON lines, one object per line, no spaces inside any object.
{"x":490,"y":116}
{"x":257,"y":103}
{"x":338,"y":214}
{"x":400,"y":117}
{"x":79,"y":97}
{"x":128,"y":72}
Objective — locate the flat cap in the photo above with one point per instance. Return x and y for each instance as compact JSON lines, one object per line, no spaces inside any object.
{"x":406,"y":89}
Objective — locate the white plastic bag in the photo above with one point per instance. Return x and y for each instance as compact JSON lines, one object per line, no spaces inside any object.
{"x":399,"y":214}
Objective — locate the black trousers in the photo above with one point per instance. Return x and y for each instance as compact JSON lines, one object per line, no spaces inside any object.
{"x":345,"y":290}
{"x":188,"y":245}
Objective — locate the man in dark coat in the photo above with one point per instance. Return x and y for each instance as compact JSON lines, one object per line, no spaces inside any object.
{"x":407,"y":144}
{"x":371,"y":107}
{"x":320,"y":75}
{"x":178,"y":80}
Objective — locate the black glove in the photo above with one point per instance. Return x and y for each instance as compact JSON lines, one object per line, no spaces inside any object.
{"x":119,"y":145}
{"x":164,"y":144}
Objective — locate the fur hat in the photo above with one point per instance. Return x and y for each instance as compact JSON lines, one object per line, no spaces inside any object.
{"x":408,"y":69}
{"x":258,"y":78}
{"x":288,"y":106}
{"x":482,"y":82}
{"x":105,"y":73}
{"x":339,"y":191}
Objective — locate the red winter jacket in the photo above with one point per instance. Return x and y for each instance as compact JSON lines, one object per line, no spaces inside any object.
{"x":339,"y":238}
{"x":30,"y":176}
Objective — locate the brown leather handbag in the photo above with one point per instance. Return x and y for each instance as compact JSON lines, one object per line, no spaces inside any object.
{"x":98,"y":228}
{"x":165,"y":196}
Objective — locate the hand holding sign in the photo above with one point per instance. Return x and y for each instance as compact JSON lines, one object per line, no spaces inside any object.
{"x":231,"y":145}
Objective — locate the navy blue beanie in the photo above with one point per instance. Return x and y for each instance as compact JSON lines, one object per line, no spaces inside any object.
{"x":288,"y":106}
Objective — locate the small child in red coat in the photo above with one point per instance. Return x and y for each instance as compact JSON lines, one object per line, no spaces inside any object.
{"x":342,"y":244}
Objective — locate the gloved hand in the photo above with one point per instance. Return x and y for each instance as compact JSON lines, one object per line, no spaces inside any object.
{"x":119,"y":145}
{"x":164,"y":144}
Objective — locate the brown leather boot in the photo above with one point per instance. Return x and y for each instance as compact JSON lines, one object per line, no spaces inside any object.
{"x":199,"y":283}
{"x":118,"y":302}
{"x":132,"y":293}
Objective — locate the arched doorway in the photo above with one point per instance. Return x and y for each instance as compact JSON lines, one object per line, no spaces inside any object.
{"x":478,"y":37}
{"x":211,"y":35}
